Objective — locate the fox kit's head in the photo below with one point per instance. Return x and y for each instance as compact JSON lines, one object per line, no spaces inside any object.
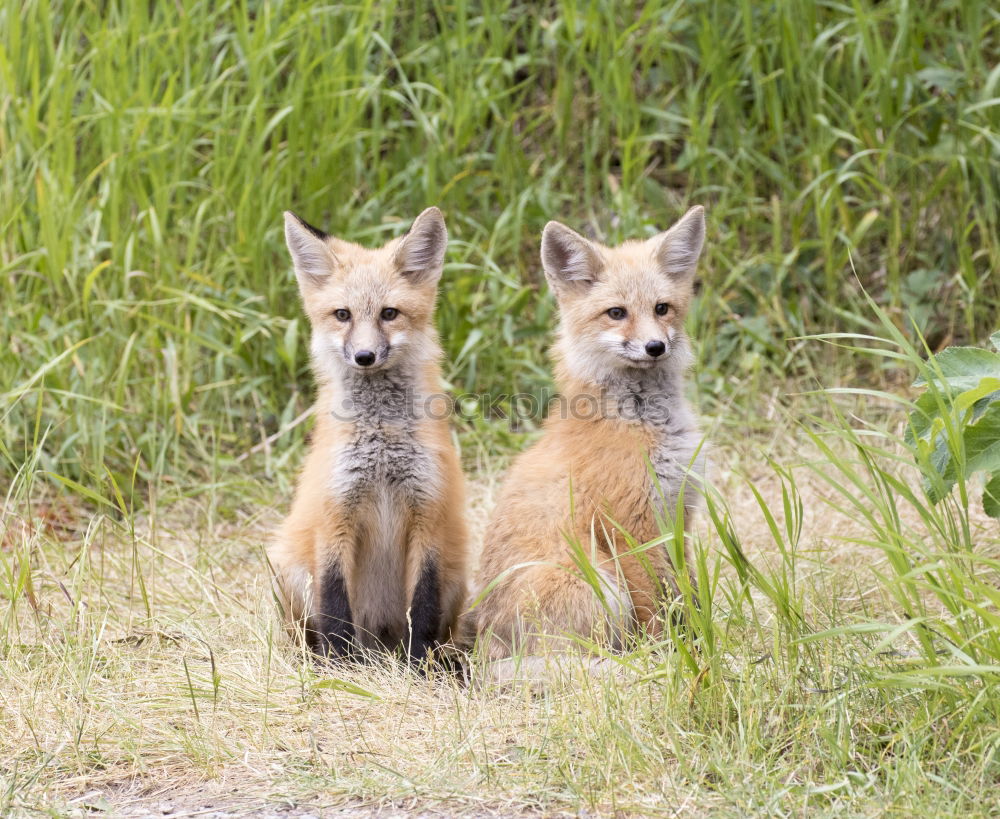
{"x":369,"y":309}
{"x":622,"y":308}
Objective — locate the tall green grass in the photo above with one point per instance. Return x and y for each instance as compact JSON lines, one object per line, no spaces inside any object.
{"x":149,"y":321}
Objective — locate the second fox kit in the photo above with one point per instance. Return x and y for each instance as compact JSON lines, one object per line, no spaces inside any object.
{"x":373,"y":553}
{"x":621,"y":354}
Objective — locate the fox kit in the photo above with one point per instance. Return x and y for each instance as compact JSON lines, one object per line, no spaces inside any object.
{"x":613,"y":459}
{"x":373,"y":553}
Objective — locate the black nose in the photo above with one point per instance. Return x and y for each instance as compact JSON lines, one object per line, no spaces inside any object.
{"x":365,"y":357}
{"x":655,"y":348}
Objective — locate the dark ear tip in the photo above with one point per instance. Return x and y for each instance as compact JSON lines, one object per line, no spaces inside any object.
{"x":292,"y":217}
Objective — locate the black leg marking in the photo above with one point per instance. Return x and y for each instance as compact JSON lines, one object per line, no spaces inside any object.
{"x":334,"y":627}
{"x":425,"y":612}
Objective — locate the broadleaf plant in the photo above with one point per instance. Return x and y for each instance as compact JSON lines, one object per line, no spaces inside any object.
{"x":955,"y":424}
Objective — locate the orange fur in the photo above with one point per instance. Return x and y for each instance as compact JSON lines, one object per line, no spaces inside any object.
{"x":588,"y":477}
{"x":358,"y":507}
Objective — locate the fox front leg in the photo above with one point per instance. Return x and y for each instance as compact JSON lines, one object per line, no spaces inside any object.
{"x":333,"y":626}
{"x":425,"y":610}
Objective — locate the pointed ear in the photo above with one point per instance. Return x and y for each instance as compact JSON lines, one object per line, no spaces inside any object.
{"x":678,"y":249}
{"x":420,"y":255}
{"x":313,"y":260}
{"x":568,"y":259}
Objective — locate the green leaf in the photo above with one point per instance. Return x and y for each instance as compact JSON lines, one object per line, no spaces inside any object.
{"x":982,"y":442}
{"x":943,"y":465}
{"x":991,"y":496}
{"x":988,"y":388}
{"x":983,"y":404}
{"x":974,"y":413}
{"x":926,"y":409}
{"x":962,"y":367}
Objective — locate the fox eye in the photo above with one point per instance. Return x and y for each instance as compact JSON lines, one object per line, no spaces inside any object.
{"x":342,"y":315}
{"x":389,"y":313}
{"x":661,"y":308}
{"x":617,"y":313}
